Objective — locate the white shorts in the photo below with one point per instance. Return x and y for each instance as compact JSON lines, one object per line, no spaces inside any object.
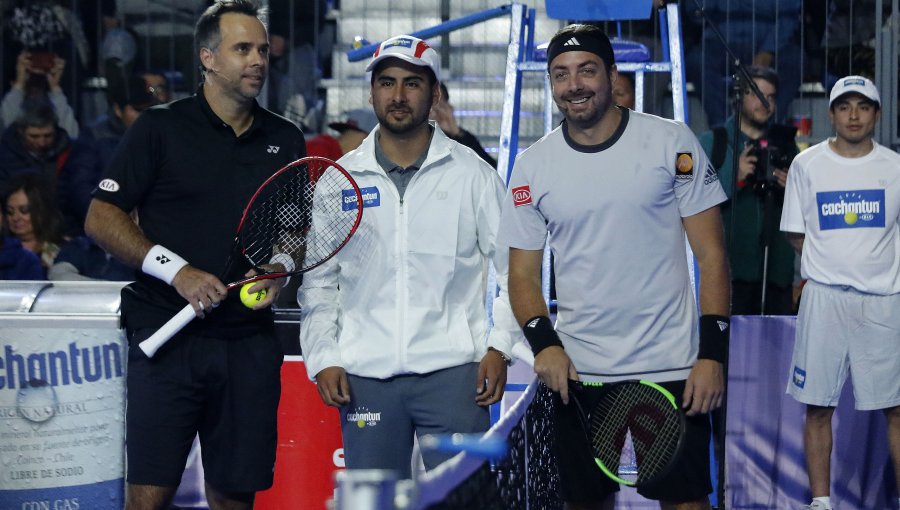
{"x":842,"y":331}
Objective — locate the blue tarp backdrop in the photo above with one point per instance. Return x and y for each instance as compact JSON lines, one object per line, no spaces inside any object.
{"x":765,"y":463}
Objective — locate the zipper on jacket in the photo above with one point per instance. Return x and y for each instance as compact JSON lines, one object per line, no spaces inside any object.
{"x":401,"y":284}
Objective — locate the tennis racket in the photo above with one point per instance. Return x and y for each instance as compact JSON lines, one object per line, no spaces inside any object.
{"x":300,"y":217}
{"x":634,"y":428}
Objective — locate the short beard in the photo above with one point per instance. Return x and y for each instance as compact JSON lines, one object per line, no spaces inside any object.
{"x":414,"y":123}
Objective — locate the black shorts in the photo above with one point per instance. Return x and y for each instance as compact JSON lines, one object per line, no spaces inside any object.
{"x":581,"y":481}
{"x":225,"y":390}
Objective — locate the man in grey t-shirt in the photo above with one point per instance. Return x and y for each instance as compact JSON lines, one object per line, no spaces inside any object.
{"x":618,"y":191}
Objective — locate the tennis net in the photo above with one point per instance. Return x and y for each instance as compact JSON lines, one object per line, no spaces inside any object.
{"x":525,"y":479}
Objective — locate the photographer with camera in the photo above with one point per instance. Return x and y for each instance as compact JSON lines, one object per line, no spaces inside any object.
{"x":756,"y":248}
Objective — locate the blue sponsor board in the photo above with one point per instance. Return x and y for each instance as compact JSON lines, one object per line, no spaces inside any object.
{"x":371,"y":197}
{"x":862,"y":208}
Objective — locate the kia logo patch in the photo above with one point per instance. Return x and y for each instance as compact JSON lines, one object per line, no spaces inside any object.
{"x":521,"y":195}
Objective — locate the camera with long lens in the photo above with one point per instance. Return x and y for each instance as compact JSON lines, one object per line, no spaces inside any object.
{"x":774,"y":151}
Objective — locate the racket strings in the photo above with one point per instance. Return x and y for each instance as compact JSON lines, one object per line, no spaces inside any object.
{"x":644,"y":415}
{"x":302,"y":212}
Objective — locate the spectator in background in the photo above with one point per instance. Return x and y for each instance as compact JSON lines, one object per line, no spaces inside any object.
{"x":164,"y":33}
{"x":757,"y":202}
{"x":351,"y":132}
{"x":16,"y":263}
{"x":80,"y":259}
{"x":849,"y":38}
{"x":37,"y":83}
{"x":127,"y":97}
{"x":36,"y":144}
{"x":48,"y":28}
{"x":442,"y":113}
{"x":32,"y":216}
{"x":294,"y":78}
{"x":157,"y":84}
{"x":623,"y":91}
{"x":760,"y":32}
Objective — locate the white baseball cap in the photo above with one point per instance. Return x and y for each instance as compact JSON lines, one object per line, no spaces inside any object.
{"x":854,"y":84}
{"x":408,"y":48}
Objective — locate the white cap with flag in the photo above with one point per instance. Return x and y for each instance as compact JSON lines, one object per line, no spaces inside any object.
{"x":408,"y":48}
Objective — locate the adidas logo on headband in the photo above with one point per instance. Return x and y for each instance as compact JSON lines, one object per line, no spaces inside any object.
{"x":592,"y":40}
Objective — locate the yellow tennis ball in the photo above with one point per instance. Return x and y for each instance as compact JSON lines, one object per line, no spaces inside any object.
{"x":251,"y":299}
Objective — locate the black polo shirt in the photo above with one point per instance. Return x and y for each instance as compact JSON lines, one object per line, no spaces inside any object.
{"x":189,"y":177}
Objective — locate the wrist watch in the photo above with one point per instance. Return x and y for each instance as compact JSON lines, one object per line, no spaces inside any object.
{"x":503,"y":355}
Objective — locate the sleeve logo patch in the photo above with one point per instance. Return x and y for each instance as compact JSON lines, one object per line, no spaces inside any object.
{"x":684,"y":165}
{"x":109,"y":185}
{"x":799,"y":377}
{"x":521,"y":195}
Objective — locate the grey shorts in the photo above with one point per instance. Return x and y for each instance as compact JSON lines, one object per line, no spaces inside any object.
{"x":383,"y":415}
{"x":841,"y":332}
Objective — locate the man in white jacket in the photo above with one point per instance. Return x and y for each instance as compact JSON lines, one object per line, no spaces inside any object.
{"x":394,"y":329}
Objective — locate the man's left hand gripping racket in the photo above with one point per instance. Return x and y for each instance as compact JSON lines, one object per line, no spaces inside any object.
{"x":634,"y":428}
{"x":300,"y":217}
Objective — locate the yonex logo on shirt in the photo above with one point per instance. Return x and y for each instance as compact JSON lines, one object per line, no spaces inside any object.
{"x":850,"y":209}
{"x":521,"y":195}
{"x":572,"y":42}
{"x":273,"y":149}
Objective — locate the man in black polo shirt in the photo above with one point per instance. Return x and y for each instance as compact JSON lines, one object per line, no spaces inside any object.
{"x":188,"y":168}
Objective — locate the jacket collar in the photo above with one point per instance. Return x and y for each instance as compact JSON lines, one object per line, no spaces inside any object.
{"x":362,"y":159}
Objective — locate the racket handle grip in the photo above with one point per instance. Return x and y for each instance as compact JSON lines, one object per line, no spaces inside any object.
{"x":167,"y":331}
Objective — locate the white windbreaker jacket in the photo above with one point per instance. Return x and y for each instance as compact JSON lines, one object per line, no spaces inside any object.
{"x":407,"y":293}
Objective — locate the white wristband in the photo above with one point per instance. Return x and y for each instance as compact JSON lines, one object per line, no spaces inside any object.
{"x":162,"y":263}
{"x":287,"y":261}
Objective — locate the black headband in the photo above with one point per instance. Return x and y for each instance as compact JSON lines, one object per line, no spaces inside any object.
{"x":593,"y":42}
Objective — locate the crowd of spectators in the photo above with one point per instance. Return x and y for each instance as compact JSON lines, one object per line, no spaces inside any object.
{"x":51,"y":46}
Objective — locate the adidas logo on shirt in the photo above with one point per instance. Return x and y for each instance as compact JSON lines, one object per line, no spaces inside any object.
{"x":572,"y":42}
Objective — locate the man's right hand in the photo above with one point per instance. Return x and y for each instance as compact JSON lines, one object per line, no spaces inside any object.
{"x":747,"y":163}
{"x":554,"y":367}
{"x":201,"y":289}
{"x":333,"y":386}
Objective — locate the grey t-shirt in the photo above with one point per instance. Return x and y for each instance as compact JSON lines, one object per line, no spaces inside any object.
{"x":614,"y":213}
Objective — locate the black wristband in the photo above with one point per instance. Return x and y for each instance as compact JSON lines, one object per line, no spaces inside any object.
{"x":714,"y":333}
{"x":540,"y":334}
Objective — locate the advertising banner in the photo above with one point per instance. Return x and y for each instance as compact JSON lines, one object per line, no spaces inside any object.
{"x":62,"y":388}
